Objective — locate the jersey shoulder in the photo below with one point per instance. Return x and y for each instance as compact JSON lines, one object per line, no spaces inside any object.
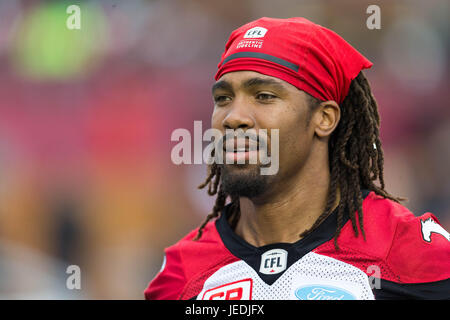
{"x":186,"y":263}
{"x":414,"y":249}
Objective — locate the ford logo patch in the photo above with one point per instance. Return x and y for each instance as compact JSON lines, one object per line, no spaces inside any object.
{"x":322,"y":292}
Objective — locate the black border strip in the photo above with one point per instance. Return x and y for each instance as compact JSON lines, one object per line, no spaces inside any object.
{"x":263,"y":56}
{"x":438,"y":290}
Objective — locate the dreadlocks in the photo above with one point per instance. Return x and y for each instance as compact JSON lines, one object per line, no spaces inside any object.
{"x":355,"y":159}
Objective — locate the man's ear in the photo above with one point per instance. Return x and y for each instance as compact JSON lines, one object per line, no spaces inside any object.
{"x":326,"y":118}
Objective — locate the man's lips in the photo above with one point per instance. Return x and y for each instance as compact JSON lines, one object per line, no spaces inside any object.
{"x":235,"y":157}
{"x":241,"y":150}
{"x":239,"y":145}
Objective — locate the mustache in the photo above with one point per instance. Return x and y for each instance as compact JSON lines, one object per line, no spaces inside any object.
{"x":239,"y":141}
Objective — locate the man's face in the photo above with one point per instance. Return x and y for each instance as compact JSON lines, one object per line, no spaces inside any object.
{"x":250,"y":100}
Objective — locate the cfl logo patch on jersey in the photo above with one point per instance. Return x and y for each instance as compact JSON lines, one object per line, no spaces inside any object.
{"x":429,"y":226}
{"x":273,"y":261}
{"x":256,"y":32}
{"x":238,"y":290}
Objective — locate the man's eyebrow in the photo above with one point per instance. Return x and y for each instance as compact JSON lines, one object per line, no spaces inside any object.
{"x":253,"y":82}
{"x":222,"y":84}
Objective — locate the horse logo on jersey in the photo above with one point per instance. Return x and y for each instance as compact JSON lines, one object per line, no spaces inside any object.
{"x":430,"y":226}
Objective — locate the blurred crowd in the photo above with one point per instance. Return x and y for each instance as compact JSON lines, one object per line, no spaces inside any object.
{"x":86,"y":118}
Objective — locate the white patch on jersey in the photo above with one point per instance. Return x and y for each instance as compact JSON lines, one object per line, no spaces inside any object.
{"x":163,"y":264}
{"x":273,"y":261}
{"x":324,"y":289}
{"x":238,"y":290}
{"x":430,"y":226}
{"x":314,"y":276}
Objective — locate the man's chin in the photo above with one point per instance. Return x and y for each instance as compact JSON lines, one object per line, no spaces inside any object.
{"x":244,"y":180}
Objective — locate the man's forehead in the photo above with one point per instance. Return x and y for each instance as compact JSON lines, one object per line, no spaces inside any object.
{"x":250,"y":78}
{"x":242,"y":76}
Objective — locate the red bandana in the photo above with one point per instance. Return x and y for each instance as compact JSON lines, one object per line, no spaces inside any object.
{"x":310,"y":57}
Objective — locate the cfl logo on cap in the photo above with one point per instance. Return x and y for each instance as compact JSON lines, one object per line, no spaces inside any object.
{"x":273,"y":261}
{"x":256,"y":32}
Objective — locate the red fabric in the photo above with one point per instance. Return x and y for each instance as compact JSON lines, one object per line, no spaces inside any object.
{"x":188,"y":264}
{"x":170,"y":280}
{"x":394,"y":243}
{"x":327,"y":63}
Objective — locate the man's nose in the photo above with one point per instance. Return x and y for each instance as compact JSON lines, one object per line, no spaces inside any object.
{"x":239,"y":117}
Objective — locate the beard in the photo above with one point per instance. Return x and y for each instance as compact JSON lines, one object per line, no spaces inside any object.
{"x":244,"y":181}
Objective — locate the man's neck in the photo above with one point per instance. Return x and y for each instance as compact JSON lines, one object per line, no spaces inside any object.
{"x":285,"y":215}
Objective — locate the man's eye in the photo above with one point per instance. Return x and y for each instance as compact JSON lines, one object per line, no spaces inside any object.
{"x":265,"y":96}
{"x":219,"y":99}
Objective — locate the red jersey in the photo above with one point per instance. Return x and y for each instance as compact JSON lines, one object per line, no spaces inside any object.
{"x":403,"y":256}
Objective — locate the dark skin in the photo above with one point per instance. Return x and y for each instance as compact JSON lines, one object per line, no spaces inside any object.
{"x":298,"y":192}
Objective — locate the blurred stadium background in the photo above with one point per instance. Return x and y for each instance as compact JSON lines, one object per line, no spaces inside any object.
{"x":86,"y":117}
